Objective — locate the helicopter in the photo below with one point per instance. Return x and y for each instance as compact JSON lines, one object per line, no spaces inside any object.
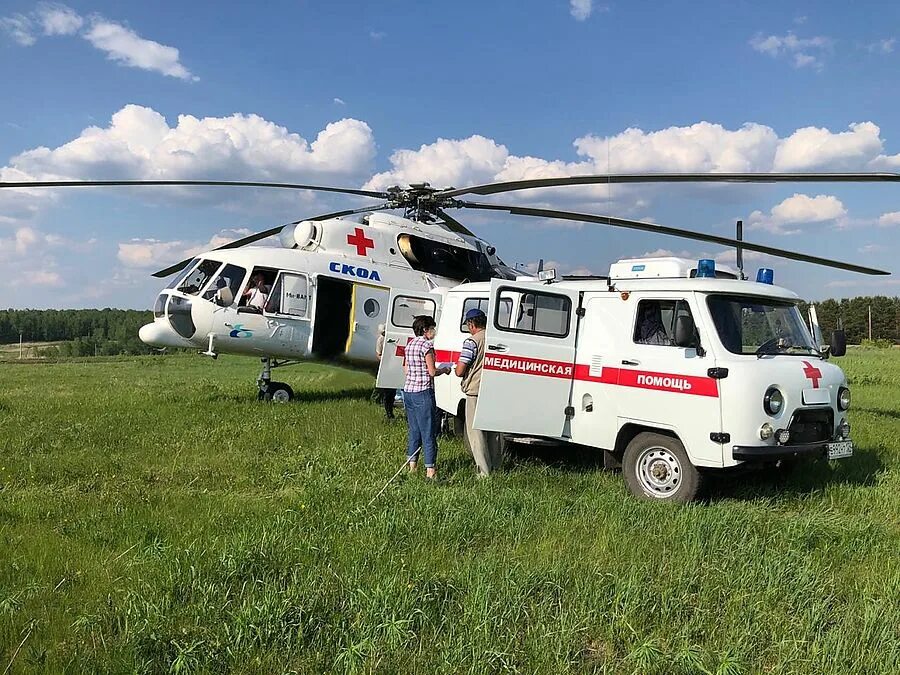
{"x":326,"y":291}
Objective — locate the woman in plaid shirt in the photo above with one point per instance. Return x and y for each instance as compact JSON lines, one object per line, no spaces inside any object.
{"x":418,"y":394}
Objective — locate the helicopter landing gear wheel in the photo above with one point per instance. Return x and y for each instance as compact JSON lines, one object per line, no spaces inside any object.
{"x":278,"y":392}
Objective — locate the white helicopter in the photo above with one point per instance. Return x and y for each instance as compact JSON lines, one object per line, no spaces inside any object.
{"x":325,"y":292}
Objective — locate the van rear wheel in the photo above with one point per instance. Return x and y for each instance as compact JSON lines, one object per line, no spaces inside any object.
{"x":657,"y":467}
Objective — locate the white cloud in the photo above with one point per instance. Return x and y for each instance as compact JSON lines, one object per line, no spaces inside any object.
{"x":124,"y":46}
{"x":120,"y":43}
{"x":146,"y":253}
{"x":798,"y":209}
{"x":581,"y":9}
{"x":56,"y":19}
{"x":139,"y":143}
{"x":43,"y":278}
{"x":885,"y":46}
{"x":803,"y":52}
{"x":889,"y":219}
{"x":339,"y":101}
{"x":444,"y":162}
{"x":812,"y":148}
{"x":377,"y":35}
{"x":20,"y":29}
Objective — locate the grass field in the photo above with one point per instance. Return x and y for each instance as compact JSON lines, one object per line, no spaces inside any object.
{"x":155,"y":518}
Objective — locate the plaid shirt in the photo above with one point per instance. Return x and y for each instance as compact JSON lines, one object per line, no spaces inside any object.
{"x":417,"y":377}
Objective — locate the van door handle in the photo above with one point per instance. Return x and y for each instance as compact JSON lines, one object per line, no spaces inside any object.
{"x":497,"y":348}
{"x":630,"y":362}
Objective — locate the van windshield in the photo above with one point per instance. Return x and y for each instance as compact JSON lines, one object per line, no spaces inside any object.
{"x":759,"y":326}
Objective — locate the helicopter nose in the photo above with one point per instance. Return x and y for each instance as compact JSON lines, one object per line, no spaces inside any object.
{"x":158,"y":334}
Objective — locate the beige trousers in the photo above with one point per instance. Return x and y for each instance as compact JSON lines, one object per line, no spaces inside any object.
{"x":483,"y":445}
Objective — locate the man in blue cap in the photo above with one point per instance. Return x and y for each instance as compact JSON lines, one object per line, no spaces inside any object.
{"x":471,"y":359}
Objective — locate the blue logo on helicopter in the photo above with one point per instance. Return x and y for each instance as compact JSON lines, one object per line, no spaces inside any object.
{"x":238,"y":329}
{"x":354,"y":271}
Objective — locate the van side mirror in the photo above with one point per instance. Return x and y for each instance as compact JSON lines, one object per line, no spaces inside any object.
{"x":685,"y":331}
{"x":838,"y":343}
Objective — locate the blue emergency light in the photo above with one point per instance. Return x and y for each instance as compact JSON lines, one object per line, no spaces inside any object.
{"x":765,"y":275}
{"x":706,"y":267}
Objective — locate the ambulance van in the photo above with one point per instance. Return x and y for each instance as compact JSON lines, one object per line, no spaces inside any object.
{"x":672,"y":368}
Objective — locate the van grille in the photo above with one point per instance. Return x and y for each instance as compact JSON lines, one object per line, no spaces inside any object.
{"x":812,"y":426}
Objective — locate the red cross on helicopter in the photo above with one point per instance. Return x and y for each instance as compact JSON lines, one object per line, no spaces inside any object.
{"x":360,"y":241}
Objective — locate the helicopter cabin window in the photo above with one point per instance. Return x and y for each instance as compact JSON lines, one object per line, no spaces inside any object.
{"x":534,"y":313}
{"x":200,"y":276}
{"x":407,"y":308}
{"x":256,"y":292}
{"x":290,"y":295}
{"x":655,"y":321}
{"x":224,"y":289}
{"x":482,"y":304}
{"x":183,"y":273}
{"x":443,"y":259}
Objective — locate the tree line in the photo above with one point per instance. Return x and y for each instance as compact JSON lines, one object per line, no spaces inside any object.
{"x":80,"y":332}
{"x":852,"y":314}
{"x":87,"y":332}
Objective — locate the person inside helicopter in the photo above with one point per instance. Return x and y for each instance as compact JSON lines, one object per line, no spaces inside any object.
{"x":257,"y":292}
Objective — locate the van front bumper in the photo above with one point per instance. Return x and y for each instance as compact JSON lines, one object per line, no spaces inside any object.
{"x":766,"y":452}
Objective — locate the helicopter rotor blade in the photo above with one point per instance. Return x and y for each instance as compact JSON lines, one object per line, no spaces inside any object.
{"x":453,"y":224}
{"x":625,"y":178}
{"x":672,"y":231}
{"x":252,"y":238}
{"x":224,"y":183}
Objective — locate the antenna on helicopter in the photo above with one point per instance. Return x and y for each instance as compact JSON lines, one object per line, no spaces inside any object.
{"x":540,"y":266}
{"x":739,"y":259}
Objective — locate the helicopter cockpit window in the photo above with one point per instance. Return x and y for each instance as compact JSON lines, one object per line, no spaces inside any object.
{"x":224,"y":290}
{"x":199,"y":277}
{"x":407,"y":308}
{"x":446,"y":260}
{"x":181,"y":275}
{"x":290,"y":295}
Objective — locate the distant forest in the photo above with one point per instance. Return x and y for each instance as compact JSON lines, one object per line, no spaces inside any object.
{"x":88,"y":332}
{"x":81,"y":332}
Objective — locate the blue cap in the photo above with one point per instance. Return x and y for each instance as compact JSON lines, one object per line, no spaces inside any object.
{"x":475,"y":314}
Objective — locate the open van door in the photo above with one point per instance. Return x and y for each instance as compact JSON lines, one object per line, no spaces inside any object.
{"x":529,"y":359}
{"x":403,"y":307}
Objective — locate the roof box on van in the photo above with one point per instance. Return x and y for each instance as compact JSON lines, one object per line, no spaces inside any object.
{"x":662,"y":268}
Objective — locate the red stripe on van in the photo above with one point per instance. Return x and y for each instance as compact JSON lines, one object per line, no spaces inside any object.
{"x":644,"y":379}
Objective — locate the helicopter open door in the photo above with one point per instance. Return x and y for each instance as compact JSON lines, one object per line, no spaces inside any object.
{"x":369,"y":308}
{"x":404,"y":306}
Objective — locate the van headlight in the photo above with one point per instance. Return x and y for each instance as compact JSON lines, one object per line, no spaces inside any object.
{"x":843,"y":399}
{"x":773,"y":401}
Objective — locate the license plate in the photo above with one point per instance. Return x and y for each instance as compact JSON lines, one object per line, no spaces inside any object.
{"x":840,"y":449}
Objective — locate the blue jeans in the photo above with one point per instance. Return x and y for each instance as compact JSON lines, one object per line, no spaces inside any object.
{"x":421,"y":415}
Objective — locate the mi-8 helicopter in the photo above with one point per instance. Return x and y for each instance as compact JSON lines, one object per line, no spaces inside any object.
{"x":326,"y":291}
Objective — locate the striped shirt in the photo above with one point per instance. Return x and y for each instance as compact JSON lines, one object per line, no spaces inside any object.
{"x":417,"y":377}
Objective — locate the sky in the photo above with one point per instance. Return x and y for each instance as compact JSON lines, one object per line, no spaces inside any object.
{"x":355,"y":94}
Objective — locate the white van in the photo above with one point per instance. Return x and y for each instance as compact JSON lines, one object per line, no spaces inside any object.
{"x":667,"y":371}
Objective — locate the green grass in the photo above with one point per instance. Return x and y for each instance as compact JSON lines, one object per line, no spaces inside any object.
{"x":155,"y":518}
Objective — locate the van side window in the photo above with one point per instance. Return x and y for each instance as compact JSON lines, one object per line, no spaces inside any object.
{"x":535,"y":313}
{"x":407,"y":308}
{"x":482,"y":304}
{"x":655,"y":321}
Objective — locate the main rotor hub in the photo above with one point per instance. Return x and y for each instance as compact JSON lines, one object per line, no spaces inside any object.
{"x":419,"y":200}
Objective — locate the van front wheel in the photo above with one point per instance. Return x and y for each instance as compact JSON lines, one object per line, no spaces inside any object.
{"x":657,"y":467}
